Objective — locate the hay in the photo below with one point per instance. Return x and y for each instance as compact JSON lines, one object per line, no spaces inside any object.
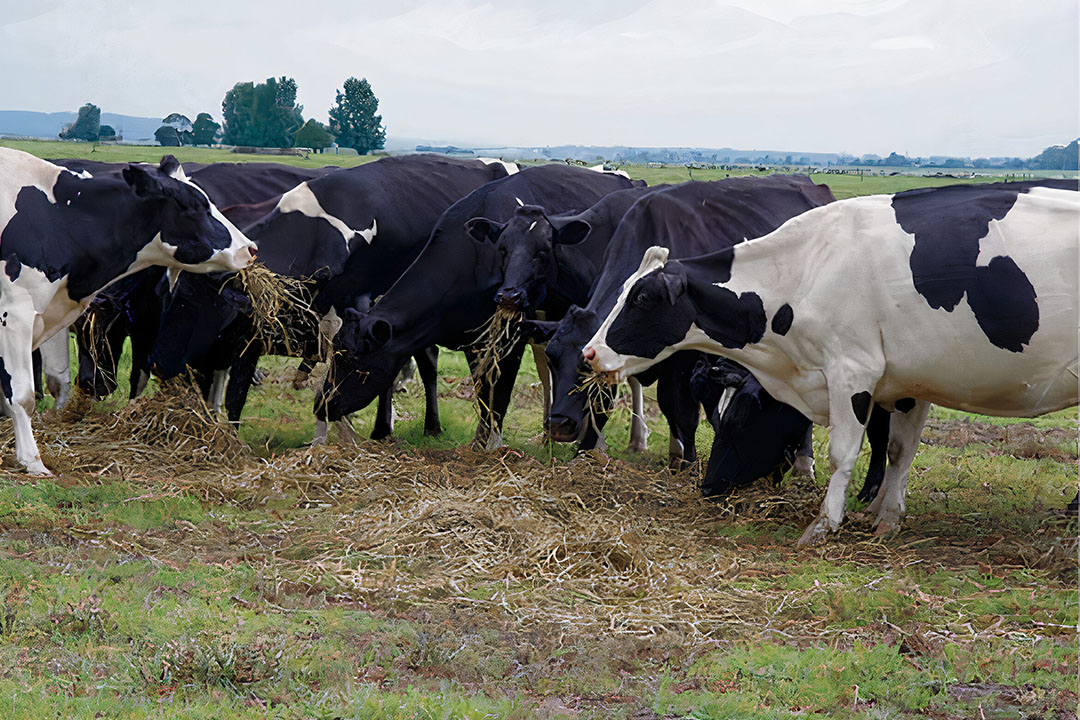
{"x":494,"y":340}
{"x":280,"y":306}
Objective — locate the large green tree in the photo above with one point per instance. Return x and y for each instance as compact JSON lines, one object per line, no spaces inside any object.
{"x":263,"y":115}
{"x":313,"y":135}
{"x":86,"y":127}
{"x":204,"y":129}
{"x":353,"y":119}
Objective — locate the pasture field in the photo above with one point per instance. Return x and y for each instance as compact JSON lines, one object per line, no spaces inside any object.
{"x":173,"y":571}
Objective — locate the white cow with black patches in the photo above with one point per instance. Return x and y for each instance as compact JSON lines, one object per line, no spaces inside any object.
{"x":63,"y":237}
{"x":965,"y":296}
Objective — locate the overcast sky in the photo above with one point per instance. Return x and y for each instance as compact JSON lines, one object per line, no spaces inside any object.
{"x":964,"y":77}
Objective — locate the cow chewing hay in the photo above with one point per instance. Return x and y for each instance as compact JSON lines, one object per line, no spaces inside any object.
{"x":494,"y":340}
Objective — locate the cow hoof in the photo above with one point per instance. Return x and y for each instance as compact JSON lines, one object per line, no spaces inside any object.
{"x":888,"y":522}
{"x":816,"y":533}
{"x":433,"y":431}
{"x":804,"y":467}
{"x":638,"y":446}
{"x":38,"y":469}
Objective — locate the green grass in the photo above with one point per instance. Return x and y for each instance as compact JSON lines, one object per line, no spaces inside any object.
{"x":135,"y":597}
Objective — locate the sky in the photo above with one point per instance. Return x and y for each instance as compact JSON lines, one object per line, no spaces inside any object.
{"x":920,"y":77}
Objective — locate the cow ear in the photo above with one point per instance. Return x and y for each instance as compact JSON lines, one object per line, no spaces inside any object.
{"x":169,"y":165}
{"x":484,"y":230}
{"x":573,"y":232}
{"x":674,"y":278}
{"x":538,"y":330}
{"x":144,"y":180}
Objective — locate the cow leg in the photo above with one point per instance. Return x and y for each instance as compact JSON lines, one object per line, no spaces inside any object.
{"x":493,"y":400}
{"x":877,"y":434}
{"x":142,"y":342}
{"x":639,"y":431}
{"x":16,"y":370}
{"x":849,"y":412}
{"x":216,"y":394}
{"x":39,"y":388}
{"x":544,"y":373}
{"x":241,"y":376}
{"x":427,"y":364}
{"x":905,"y":431}
{"x":384,"y":415}
{"x":804,"y":456}
{"x":681,"y":410}
{"x":56,"y":362}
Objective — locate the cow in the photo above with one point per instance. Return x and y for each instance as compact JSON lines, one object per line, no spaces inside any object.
{"x":756,"y":436}
{"x":554,"y":260}
{"x":694,"y":218}
{"x":63,"y":237}
{"x":132,"y":307}
{"x":348,"y":235}
{"x":448,"y":293}
{"x":963,"y":295}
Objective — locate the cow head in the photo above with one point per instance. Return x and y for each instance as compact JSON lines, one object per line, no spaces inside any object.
{"x":660,"y":312}
{"x":194,"y":235}
{"x":570,"y":404}
{"x":364,"y":364}
{"x":99,"y":334}
{"x":528,"y":244}
{"x":197,"y":312}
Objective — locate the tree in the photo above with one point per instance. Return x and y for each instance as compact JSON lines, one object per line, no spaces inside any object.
{"x":314,"y":135}
{"x":353,"y":119}
{"x":86,"y":127}
{"x":106,"y":132}
{"x":204,"y":129}
{"x":182,"y":125}
{"x":167,"y":135}
{"x":263,"y":115}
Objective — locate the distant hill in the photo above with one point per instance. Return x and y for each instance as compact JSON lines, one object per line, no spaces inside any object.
{"x":26,"y":123}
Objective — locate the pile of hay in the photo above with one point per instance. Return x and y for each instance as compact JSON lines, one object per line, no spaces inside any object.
{"x":280,"y":306}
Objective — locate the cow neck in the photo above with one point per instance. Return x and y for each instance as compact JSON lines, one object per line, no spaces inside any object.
{"x":433,"y":303}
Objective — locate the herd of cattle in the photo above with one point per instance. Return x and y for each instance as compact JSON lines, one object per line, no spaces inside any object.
{"x":854,"y":314}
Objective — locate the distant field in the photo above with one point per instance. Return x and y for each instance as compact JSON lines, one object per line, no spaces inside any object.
{"x":417,"y":579}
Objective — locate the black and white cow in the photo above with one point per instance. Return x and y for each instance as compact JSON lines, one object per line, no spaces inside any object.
{"x":64,"y":237}
{"x":132,"y":307}
{"x":692,"y":218}
{"x":965,"y":296}
{"x":349,"y":234}
{"x":448,"y":293}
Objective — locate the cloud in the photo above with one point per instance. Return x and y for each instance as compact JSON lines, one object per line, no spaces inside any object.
{"x":964,"y":77}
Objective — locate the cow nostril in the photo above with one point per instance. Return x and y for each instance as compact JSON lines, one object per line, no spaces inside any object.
{"x":589,"y":354}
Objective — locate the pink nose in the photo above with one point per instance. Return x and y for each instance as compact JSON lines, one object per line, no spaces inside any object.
{"x":589,"y":354}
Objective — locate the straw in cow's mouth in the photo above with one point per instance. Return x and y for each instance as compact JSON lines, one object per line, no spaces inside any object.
{"x":494,"y":340}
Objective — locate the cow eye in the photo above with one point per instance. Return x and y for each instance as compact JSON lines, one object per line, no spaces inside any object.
{"x":642,"y":300}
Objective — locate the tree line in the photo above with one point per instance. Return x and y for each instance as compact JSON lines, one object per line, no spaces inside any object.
{"x":262,"y":114}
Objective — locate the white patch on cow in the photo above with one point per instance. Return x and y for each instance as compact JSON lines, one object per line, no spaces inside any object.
{"x":56,"y":366}
{"x":82,"y":174}
{"x":639,"y":431}
{"x":173,"y":274}
{"x":532,"y":226}
{"x":24,"y":170}
{"x":302,"y":200}
{"x":520,"y":204}
{"x":329,"y":325}
{"x":606,"y":358}
{"x":601,"y":169}
{"x":725,"y":400}
{"x":369,"y":234}
{"x":510,"y":167}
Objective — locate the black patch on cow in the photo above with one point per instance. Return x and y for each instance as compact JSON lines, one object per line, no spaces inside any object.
{"x":904,"y":404}
{"x":781,"y":321}
{"x":732,"y":320}
{"x":948,"y":224}
{"x":12,"y":267}
{"x":649,"y":321}
{"x":860,"y":404}
{"x":5,"y":381}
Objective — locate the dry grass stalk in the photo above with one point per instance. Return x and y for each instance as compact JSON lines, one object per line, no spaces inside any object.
{"x":494,"y":340}
{"x":279,"y":305}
